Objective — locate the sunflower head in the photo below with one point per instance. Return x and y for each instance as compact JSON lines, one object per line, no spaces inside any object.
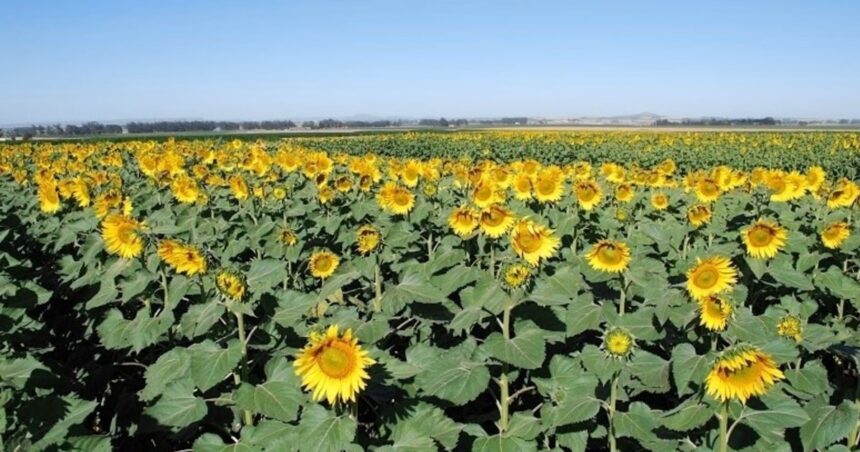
{"x":834,"y":234}
{"x":588,"y":193}
{"x":549,"y":185}
{"x":618,"y":342}
{"x":121,"y":235}
{"x":368,"y":239}
{"x":182,"y":258}
{"x":49,"y":199}
{"x":287,"y":236}
{"x":710,"y":276}
{"x":624,"y":192}
{"x":230,"y":284}
{"x":533,"y":242}
{"x":495,"y":221}
{"x":463,"y":221}
{"x":699,"y":214}
{"x":708,"y":189}
{"x":714,"y":312}
{"x":790,"y":326}
{"x":609,"y":256}
{"x":741,"y":372}
{"x":517,"y":275}
{"x":323,"y":264}
{"x":396,"y":199}
{"x":659,"y":201}
{"x":763,"y":239}
{"x":333,"y":366}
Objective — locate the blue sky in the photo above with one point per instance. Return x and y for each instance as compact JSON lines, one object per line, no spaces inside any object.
{"x":105,"y":60}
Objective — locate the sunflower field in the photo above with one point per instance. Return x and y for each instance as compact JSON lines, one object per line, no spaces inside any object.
{"x":494,"y":291}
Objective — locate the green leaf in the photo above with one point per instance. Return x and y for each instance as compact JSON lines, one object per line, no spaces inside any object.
{"x":322,"y":430}
{"x":16,"y":372}
{"x":811,"y":379}
{"x":292,"y":307}
{"x":169,"y":367}
{"x":688,"y":367}
{"x":413,"y":286}
{"x":75,"y":411}
{"x":524,"y":426}
{"x":651,"y":371}
{"x":107,"y":294}
{"x":454,"y":376}
{"x":637,"y":422}
{"x":688,"y":417}
{"x":178,"y":407}
{"x":782,"y":271}
{"x":432,"y":422}
{"x":840,"y":285}
{"x":782,"y":412}
{"x":199,"y":318}
{"x":410,"y":439}
{"x":559,"y":289}
{"x":583,"y":315}
{"x":572,"y":408}
{"x":498,"y":443}
{"x":828,"y":424}
{"x":210,"y":363}
{"x":264,"y":274}
{"x":116,"y":332}
{"x":526,"y":350}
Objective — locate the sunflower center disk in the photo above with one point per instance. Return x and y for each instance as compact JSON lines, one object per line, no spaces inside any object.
{"x":707,"y":278}
{"x":337,"y":360}
{"x":761,"y":236}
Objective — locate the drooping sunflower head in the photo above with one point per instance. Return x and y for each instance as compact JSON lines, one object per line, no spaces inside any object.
{"x":763,"y":239}
{"x":699,"y":214}
{"x":49,"y":199}
{"x":333,"y":366}
{"x":185,"y":189}
{"x":325,"y":193}
{"x":549,"y":185}
{"x":323,"y":264}
{"x":238,"y":187}
{"x":533,"y":242}
{"x":715,"y":312}
{"x":707,"y":189}
{"x":367,"y":238}
{"x":517,"y":275}
{"x":121,"y":235}
{"x":588,"y":193}
{"x":790,"y":326}
{"x":230,"y":284}
{"x":710,"y":276}
{"x":609,"y":256}
{"x":522,"y":186}
{"x":182,"y":258}
{"x":659,"y":201}
{"x":741,"y":372}
{"x":843,"y":194}
{"x":495,"y":221}
{"x":835,"y":233}
{"x":618,"y":342}
{"x":463,"y":221}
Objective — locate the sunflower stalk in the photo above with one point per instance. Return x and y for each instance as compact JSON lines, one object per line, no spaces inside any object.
{"x":238,"y":378}
{"x":724,"y":423}
{"x":504,"y":397}
{"x":377,"y":286}
{"x":613,"y":395}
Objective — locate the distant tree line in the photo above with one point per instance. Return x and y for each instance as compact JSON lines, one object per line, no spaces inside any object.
{"x":768,"y":121}
{"x":206,"y":126}
{"x":58,"y":130}
{"x":335,"y":124}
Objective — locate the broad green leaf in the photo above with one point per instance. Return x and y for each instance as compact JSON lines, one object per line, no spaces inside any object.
{"x":265,"y":274}
{"x":169,"y":367}
{"x":322,"y":430}
{"x":178,"y":407}
{"x":828,"y":424}
{"x":200,"y":318}
{"x":210,"y":363}
{"x":525,"y":350}
{"x":499,"y":443}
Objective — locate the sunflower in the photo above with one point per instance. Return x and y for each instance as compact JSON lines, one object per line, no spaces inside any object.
{"x":533,"y":242}
{"x":230,"y":284}
{"x":617,"y":342}
{"x":238,"y":187}
{"x":49,"y":199}
{"x":396,"y":199}
{"x":325,"y":193}
{"x":486,"y":194}
{"x":844,"y":193}
{"x":522,"y":186}
{"x":711,"y":276}
{"x":714,"y":312}
{"x":517,"y":275}
{"x":367,"y":238}
{"x":834,"y":234}
{"x":181,"y":257}
{"x":624,"y":192}
{"x":790,"y":326}
{"x":495,"y":221}
{"x":463,"y":221}
{"x":699,"y":214}
{"x":333,"y":366}
{"x":588,"y":193}
{"x":609,"y":256}
{"x":323,"y":264}
{"x":742,"y":372}
{"x":763,"y":239}
{"x":659,"y":201}
{"x":549,"y":185}
{"x":287,"y":236}
{"x":707,"y":189}
{"x":121,"y":235}
{"x":185,"y":190}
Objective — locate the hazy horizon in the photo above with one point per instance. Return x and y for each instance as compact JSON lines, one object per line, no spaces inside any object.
{"x":71,"y":62}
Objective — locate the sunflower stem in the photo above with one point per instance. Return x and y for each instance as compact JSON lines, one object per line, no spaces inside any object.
{"x":243,"y":343}
{"x":164,"y":288}
{"x":504,"y":397}
{"x":613,"y":395}
{"x":724,"y":423}
{"x":377,"y":286}
{"x":623,"y":298}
